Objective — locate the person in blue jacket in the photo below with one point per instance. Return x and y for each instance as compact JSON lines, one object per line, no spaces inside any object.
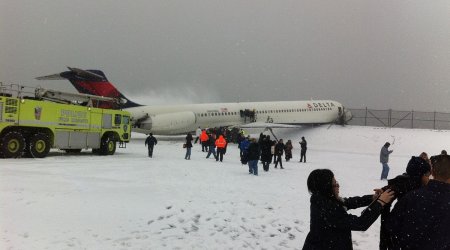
{"x":330,"y":224}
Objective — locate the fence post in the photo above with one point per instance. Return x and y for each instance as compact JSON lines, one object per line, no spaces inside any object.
{"x":412,"y":118}
{"x":389,"y":118}
{"x":434,"y":120}
{"x":365,"y":118}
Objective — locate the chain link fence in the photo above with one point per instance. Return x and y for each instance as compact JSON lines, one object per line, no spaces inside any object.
{"x":400,"y":119}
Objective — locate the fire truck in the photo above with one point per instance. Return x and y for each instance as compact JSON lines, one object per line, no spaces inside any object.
{"x":34,"y":121}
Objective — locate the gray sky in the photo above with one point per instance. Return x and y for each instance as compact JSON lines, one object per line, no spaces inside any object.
{"x":379,"y":54}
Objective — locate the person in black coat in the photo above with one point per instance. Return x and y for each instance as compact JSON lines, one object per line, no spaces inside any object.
{"x":303,"y":145}
{"x":421,"y":219}
{"x":188,"y":146}
{"x":330,"y":224}
{"x":416,"y":175}
{"x":266,"y":154}
{"x":279,"y":149}
{"x":150,"y":142}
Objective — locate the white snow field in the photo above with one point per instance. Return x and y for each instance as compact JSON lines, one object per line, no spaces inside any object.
{"x":129,"y":201}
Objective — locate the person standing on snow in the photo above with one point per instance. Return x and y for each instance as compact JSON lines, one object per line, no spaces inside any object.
{"x":204,"y":138}
{"x":330,"y":225}
{"x":288,"y":150}
{"x":266,"y":154}
{"x":279,"y":149}
{"x":150,"y":142}
{"x":416,"y":176}
{"x":253,"y":153}
{"x":421,"y":219}
{"x":188,"y":145}
{"x":303,"y":150}
{"x":243,"y":147}
{"x":211,"y":146}
{"x":221,"y":145}
{"x":384,"y":159}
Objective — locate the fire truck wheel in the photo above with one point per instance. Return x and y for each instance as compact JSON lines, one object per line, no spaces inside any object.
{"x":108,"y":146}
{"x":39,"y":145}
{"x":12,"y":145}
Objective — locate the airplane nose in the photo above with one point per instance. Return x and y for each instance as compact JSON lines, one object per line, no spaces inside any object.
{"x":347,"y":115}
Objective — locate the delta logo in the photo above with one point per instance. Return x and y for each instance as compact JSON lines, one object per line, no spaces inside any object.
{"x":321,"y":105}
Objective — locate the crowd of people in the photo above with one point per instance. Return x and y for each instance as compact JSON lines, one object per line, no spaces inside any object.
{"x":419,"y":220}
{"x":214,"y":143}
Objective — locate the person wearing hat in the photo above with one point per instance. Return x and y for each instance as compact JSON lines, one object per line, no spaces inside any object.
{"x":421,"y":219}
{"x":384,"y":159}
{"x":416,"y":176}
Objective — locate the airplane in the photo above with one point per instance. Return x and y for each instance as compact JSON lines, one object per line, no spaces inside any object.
{"x":181,"y":119}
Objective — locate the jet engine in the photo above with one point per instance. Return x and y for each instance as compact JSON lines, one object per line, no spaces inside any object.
{"x":170,"y":123}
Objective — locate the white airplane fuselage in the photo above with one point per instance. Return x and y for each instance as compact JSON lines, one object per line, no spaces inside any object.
{"x":179,"y":119}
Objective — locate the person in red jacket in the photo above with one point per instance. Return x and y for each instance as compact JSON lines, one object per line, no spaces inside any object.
{"x":221,"y":145}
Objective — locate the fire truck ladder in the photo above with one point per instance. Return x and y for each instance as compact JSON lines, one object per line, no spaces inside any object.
{"x":64,"y":97}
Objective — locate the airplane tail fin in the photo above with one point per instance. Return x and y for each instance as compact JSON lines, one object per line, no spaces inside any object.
{"x":93,"y":82}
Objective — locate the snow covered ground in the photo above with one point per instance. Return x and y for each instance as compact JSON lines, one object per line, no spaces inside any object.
{"x":129,"y":201}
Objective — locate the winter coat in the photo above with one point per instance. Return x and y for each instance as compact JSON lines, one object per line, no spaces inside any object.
{"x":421,"y":219}
{"x":384,"y":154}
{"x":212,"y":141}
{"x":266,"y":155}
{"x":331,"y":225}
{"x":204,"y":136}
{"x":189,"y":141}
{"x":401,"y":185}
{"x":303,"y":145}
{"x":151,"y":141}
{"x":279,"y":148}
{"x":244,"y":145}
{"x":221,"y":142}
{"x":288,"y":149}
{"x":253,"y":152}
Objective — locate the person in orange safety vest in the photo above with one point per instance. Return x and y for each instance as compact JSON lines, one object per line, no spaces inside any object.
{"x":221,"y":145}
{"x":204,"y":140}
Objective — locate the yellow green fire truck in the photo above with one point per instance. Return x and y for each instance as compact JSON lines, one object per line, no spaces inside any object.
{"x":32,"y":123}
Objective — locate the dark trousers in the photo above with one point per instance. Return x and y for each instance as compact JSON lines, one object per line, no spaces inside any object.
{"x":212,"y":150}
{"x":204,"y":146}
{"x":220,"y":152}
{"x":266,"y":165}
{"x":196,"y":139}
{"x":150,"y":150}
{"x":302,"y":155}
{"x":279,"y":160}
